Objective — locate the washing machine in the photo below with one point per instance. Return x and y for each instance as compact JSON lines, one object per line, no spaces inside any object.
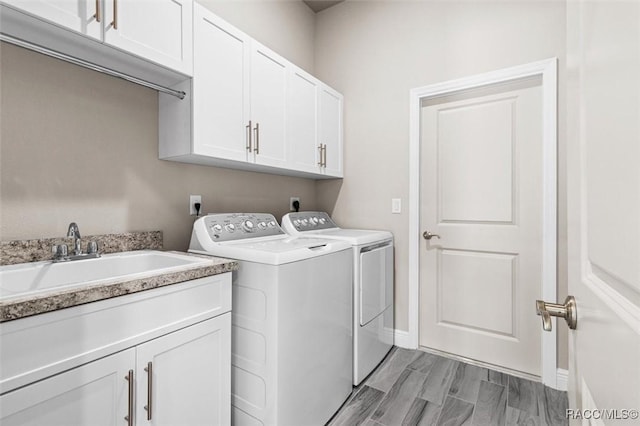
{"x":291,"y":319}
{"x":373,"y":328}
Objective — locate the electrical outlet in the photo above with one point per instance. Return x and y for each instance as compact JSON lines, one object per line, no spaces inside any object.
{"x":193,"y":199}
{"x":291,"y":200}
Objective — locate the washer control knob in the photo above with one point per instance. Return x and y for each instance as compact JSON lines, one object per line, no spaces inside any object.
{"x":272,"y":224}
{"x":322,"y":220}
{"x":314,"y":221}
{"x":247,"y":226}
{"x":305,"y":222}
{"x":230,"y":227}
{"x":296,"y":223}
{"x":217,"y":228}
{"x":262,"y":225}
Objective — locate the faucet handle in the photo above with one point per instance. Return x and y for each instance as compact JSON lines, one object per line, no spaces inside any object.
{"x":92,"y":247}
{"x":62,"y":251}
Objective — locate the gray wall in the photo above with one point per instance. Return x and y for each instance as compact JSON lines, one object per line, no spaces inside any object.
{"x":374,"y":52}
{"x":80,"y":146}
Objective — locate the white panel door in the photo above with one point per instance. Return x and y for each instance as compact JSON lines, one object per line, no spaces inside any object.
{"x":303,"y":121}
{"x":220,"y":88}
{"x":331,"y":130}
{"x":481,"y":192}
{"x":158,"y":30}
{"x":268,"y":106}
{"x":93,"y":394}
{"x":604,"y":206}
{"x":190,"y":372}
{"x":83,"y":16}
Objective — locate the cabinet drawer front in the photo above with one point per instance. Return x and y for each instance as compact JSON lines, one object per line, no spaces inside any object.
{"x":37,"y":347}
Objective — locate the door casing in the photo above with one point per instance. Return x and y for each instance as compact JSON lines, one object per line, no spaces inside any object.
{"x":547,"y":70}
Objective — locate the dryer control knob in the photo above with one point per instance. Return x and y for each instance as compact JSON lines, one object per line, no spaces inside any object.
{"x":216,"y":228}
{"x":230,"y":227}
{"x":296,"y":223}
{"x":247,"y":226}
{"x":262,"y":225}
{"x":272,"y":224}
{"x":314,"y":220}
{"x":305,"y":222}
{"x":322,"y":220}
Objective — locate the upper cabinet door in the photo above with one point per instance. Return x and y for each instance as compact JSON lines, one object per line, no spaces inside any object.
{"x":220,"y":88}
{"x":303,"y":121}
{"x":83,"y":16}
{"x":331,"y":130}
{"x":158,"y":30}
{"x":268,"y":106}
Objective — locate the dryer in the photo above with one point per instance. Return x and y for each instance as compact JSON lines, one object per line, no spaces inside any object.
{"x":373,"y":329}
{"x":291,"y":319}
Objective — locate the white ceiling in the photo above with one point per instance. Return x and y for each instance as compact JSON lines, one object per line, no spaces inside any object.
{"x":319,"y":5}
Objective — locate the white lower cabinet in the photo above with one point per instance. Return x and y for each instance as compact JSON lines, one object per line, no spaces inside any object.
{"x":159,"y":357}
{"x":184,"y":378}
{"x":94,"y":394}
{"x":181,"y":378}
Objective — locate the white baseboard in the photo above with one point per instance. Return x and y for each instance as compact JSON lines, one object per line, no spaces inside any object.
{"x":562,"y":378}
{"x":401,"y":339}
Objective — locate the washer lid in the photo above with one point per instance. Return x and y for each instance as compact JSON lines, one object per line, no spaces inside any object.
{"x":319,"y":224}
{"x":277,"y":250}
{"x":355,"y":237}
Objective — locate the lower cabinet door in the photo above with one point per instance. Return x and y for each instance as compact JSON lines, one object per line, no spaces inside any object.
{"x":184,"y":378}
{"x":94,"y":394}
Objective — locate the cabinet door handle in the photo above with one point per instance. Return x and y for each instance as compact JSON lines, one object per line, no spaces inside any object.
{"x":115,"y":15}
{"x":148,"y":407}
{"x":320,"y":155}
{"x":97,"y":15}
{"x":324,"y":155}
{"x":129,"y":416}
{"x":257,"y":129}
{"x":248,"y":127}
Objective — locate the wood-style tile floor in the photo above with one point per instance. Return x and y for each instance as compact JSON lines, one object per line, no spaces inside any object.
{"x":419,"y":388}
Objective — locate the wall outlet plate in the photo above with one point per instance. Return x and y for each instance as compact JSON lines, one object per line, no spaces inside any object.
{"x":291,"y":200}
{"x":193,"y":199}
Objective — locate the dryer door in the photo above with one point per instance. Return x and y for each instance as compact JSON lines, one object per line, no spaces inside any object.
{"x":376,"y":281}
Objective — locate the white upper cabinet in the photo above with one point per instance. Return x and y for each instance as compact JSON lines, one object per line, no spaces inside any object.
{"x":268,"y":106}
{"x":83,"y":16}
{"x":305,"y":150}
{"x":330,"y":134}
{"x":220,"y":90}
{"x":249,"y":108}
{"x":157,"y":30}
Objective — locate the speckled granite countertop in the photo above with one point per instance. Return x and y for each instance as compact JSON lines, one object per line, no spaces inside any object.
{"x":54,"y":299}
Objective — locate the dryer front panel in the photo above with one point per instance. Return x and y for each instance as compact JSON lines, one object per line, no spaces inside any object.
{"x":376,"y":282}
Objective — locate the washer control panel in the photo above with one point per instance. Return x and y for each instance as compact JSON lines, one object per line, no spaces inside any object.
{"x":310,"y":221}
{"x":238,"y":226}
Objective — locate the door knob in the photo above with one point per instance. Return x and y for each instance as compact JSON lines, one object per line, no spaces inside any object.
{"x":428,"y":235}
{"x":567,"y":311}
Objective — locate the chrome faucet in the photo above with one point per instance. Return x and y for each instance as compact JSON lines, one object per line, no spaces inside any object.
{"x":74,"y":232}
{"x":61,"y":252}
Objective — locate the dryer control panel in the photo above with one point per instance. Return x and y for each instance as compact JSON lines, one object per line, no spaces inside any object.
{"x":309,"y":221}
{"x":238,"y":226}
